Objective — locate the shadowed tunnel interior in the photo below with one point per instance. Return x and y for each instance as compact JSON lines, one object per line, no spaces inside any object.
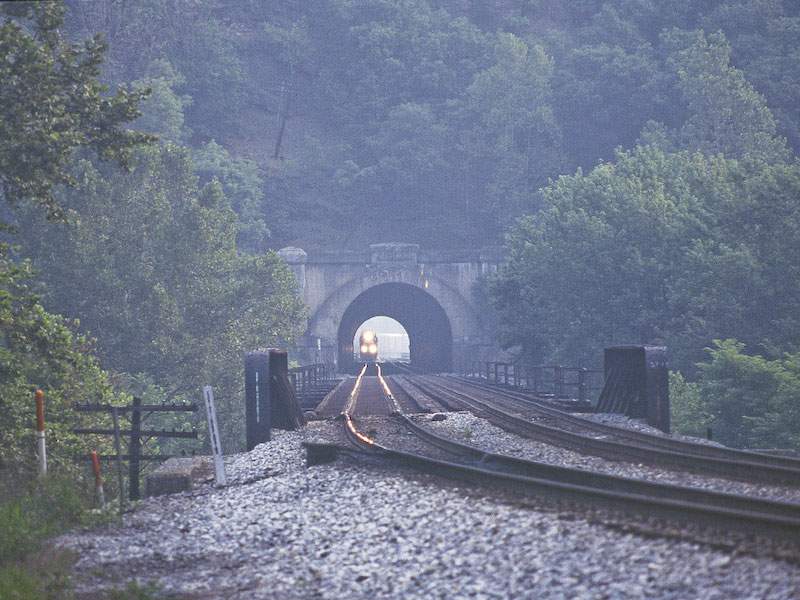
{"x":429,"y":332}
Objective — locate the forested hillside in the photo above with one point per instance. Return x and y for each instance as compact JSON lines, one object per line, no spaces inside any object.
{"x":446,"y":116}
{"x":637,"y":157}
{"x":119,"y":269}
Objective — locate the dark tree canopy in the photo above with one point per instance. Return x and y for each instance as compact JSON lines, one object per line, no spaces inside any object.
{"x":366,"y":109}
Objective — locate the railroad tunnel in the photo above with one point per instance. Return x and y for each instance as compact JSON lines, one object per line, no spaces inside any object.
{"x":429,"y":331}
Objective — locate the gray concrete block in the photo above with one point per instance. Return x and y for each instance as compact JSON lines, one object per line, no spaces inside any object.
{"x":179,"y":474}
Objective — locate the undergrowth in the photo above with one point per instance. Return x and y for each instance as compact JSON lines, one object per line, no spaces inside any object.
{"x":32,"y":511}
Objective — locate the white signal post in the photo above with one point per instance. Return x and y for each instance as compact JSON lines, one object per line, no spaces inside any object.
{"x":213,"y":431}
{"x":40,"y":432}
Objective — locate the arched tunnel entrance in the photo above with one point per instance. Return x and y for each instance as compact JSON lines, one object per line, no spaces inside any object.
{"x":429,"y":332}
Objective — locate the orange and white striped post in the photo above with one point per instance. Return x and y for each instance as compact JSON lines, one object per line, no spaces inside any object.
{"x":40,"y":432}
{"x":98,"y":482}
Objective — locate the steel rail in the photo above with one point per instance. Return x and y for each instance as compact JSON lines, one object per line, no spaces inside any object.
{"x":639,"y":437}
{"x":753,"y":518}
{"x":355,"y":437}
{"x":618,"y":483}
{"x":619,"y":450}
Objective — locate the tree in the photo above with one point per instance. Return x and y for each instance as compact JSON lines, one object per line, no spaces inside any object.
{"x":39,"y":350}
{"x":603,"y":94}
{"x":162,"y":285}
{"x":519,"y":135}
{"x":749,"y":401}
{"x":163,"y":114}
{"x":242,"y":184}
{"x":764,"y":43}
{"x":671,"y":248}
{"x":204,"y":50}
{"x":51,"y":103}
{"x":726,"y":114}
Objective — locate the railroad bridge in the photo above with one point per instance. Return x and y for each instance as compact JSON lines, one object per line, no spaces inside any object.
{"x":428,"y":292}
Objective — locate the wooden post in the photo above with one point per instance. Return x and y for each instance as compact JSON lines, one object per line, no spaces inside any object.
{"x":135,"y":450}
{"x":98,"y":482}
{"x":118,"y":449}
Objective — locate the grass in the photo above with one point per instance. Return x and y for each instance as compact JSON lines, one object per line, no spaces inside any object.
{"x":34,"y":510}
{"x":31,"y":512}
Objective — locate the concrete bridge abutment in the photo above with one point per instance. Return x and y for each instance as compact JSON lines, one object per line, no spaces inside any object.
{"x":430,"y":293}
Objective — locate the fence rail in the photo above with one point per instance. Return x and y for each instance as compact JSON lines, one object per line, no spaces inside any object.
{"x":136,"y":433}
{"x":554,"y":381}
{"x":310,"y":376}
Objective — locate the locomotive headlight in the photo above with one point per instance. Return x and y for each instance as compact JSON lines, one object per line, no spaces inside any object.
{"x":373,"y":348}
{"x":364,"y":349}
{"x":368,"y":336}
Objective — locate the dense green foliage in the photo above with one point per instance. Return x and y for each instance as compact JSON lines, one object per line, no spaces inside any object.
{"x":692,"y":235}
{"x":747,"y":401}
{"x":52,"y":103}
{"x":673,"y":248}
{"x":649,"y":147}
{"x":448,"y":116}
{"x":40,"y":350}
{"x":162,"y":286}
{"x":142,"y":258}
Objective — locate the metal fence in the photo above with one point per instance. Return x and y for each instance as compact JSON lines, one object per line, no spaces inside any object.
{"x":310,"y":376}
{"x":554,"y":381}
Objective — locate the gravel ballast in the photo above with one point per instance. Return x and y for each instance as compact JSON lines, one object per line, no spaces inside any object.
{"x":356,"y":530}
{"x":467,"y":428}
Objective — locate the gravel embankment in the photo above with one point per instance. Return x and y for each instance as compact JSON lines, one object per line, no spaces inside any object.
{"x":354,"y":530}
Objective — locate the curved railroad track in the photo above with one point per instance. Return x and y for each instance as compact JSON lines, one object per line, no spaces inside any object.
{"x":575,"y":433}
{"x":567,"y":420}
{"x":719,"y":510}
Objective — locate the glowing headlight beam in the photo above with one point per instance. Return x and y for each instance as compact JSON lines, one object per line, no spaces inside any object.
{"x":351,"y":405}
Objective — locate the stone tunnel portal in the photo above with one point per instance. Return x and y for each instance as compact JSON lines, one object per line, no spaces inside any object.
{"x":429,"y":331}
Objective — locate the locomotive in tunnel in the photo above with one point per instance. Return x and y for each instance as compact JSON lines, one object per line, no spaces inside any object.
{"x":368,"y":346}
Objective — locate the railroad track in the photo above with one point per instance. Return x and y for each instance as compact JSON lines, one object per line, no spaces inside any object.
{"x":566,"y":419}
{"x":571,"y":432}
{"x":719,"y":510}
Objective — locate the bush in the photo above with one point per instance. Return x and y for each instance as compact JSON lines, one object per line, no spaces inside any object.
{"x":688,"y":413}
{"x":747,"y":400}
